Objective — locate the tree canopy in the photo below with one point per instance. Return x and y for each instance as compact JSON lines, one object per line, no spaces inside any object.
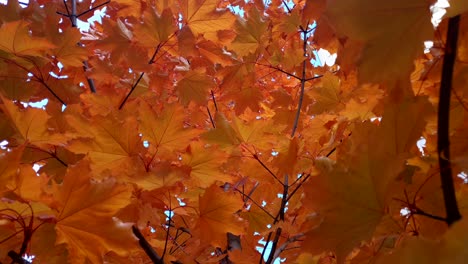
{"x":180,"y":131}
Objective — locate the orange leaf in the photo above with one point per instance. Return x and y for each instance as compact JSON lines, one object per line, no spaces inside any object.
{"x":17,"y":40}
{"x":203,"y":17}
{"x":68,"y":52}
{"x":81,"y":200}
{"x":350,"y":195}
{"x":109,"y":142}
{"x":165,"y":131}
{"x":9,"y":163}
{"x":204,"y":164}
{"x":216,"y":215}
{"x":392,"y":46}
{"x":31,"y":125}
{"x":195,"y":86}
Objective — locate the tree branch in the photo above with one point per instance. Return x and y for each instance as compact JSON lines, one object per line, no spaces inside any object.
{"x":443,"y":143}
{"x":284,"y":246}
{"x":303,"y":81}
{"x":147,"y":247}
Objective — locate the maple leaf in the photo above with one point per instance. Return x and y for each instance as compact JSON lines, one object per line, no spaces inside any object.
{"x":347,"y":194}
{"x":249,"y":33}
{"x":67,"y":51}
{"x":449,"y":249}
{"x":203,"y":17}
{"x":17,"y":40}
{"x":327,"y":96}
{"x":9,"y":162}
{"x":204,"y":165}
{"x":390,"y":45}
{"x":165,"y":131}
{"x":216,"y":215}
{"x":82,"y":200}
{"x":109,"y":142}
{"x":214,"y":90}
{"x":194,"y":87}
{"x":156,"y":28}
{"x":31,"y":125}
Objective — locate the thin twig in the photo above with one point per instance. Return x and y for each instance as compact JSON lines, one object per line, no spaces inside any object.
{"x":131,"y":91}
{"x":214,"y":100}
{"x":93,"y":8}
{"x":279,"y":69}
{"x":297,"y":187}
{"x":267,"y":169}
{"x":211,"y":117}
{"x":255,"y":203}
{"x":151,"y":61}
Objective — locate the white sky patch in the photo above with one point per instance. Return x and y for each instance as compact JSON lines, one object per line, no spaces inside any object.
{"x":438,"y":11}
{"x":405,"y":211}
{"x":97,"y":17}
{"x":181,"y":203}
{"x":421,"y":143}
{"x":169,"y":214}
{"x":462,"y":175}
{"x":323,"y":57}
{"x":236,"y":10}
{"x":287,"y":5}
{"x":427,"y":46}
{"x":4,"y":144}
{"x":29,"y":258}
{"x":36,"y":167}
{"x":41,"y":104}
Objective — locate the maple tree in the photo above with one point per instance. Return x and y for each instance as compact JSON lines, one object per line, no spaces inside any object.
{"x":183,"y":131}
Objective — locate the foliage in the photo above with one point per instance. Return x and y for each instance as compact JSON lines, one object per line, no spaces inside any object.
{"x":180,"y":131}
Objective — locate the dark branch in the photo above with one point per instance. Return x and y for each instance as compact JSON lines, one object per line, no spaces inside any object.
{"x":303,"y":81}
{"x":443,"y":143}
{"x":147,"y":247}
